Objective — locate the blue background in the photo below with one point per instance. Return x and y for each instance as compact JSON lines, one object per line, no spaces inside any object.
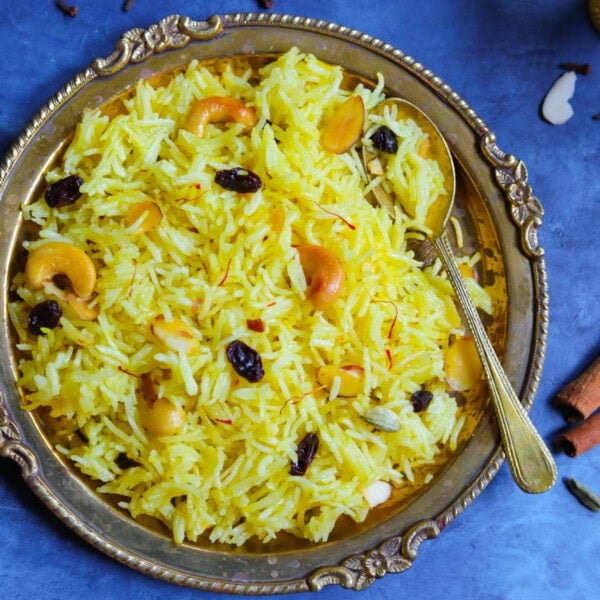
{"x":501,"y":57}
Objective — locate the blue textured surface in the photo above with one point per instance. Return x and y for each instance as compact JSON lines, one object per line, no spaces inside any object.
{"x":501,"y":57}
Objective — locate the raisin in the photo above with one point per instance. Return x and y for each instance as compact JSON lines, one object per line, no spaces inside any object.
{"x":384,"y":139}
{"x":63,"y":192}
{"x":124,"y":462}
{"x":45,"y":314}
{"x":246,"y":361}
{"x":238,"y":180}
{"x":420,"y":400}
{"x":307,"y":449}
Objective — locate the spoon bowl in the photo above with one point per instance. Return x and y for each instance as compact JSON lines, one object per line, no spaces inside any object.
{"x":438,"y":214}
{"x":530,"y":461}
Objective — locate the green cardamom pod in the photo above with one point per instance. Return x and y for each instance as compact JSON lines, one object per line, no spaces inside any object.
{"x":584,"y":494}
{"x":382,"y":418}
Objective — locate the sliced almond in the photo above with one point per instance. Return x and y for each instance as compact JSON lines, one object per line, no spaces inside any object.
{"x":377,"y":493}
{"x":424,"y":149}
{"x":467,"y":271}
{"x":152,"y":216}
{"x":345,"y":127}
{"x":351,"y":378}
{"x":375,"y":167}
{"x":176,"y":335}
{"x":277,"y":218}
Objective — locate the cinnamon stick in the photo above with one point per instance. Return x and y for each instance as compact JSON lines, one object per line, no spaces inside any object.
{"x":581,"y":397}
{"x":580,"y":438}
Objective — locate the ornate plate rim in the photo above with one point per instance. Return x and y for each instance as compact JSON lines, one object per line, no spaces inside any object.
{"x":397,"y":553}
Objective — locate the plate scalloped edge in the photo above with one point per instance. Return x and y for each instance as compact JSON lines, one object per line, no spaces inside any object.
{"x":397,"y":553}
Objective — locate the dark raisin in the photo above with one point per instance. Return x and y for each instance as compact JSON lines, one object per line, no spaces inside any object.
{"x":45,"y":314}
{"x":64,"y":191}
{"x":124,"y":462}
{"x":420,"y":400}
{"x":246,"y":361}
{"x":307,"y":449}
{"x":384,"y":139}
{"x":238,"y":180}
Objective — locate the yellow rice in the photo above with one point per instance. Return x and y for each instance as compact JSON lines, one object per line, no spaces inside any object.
{"x":216,"y":260}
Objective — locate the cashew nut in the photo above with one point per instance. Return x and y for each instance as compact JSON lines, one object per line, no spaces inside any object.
{"x":45,"y":262}
{"x":351,"y":378}
{"x":324,"y":275}
{"x":219,"y":109}
{"x":159,"y":416}
{"x":60,"y":258}
{"x":152,"y":216}
{"x":176,"y":335}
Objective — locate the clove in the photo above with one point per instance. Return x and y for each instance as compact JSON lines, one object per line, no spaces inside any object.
{"x":579,"y":68}
{"x":67,"y":9}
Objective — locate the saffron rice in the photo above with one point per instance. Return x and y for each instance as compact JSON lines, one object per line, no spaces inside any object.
{"x":217,"y":260}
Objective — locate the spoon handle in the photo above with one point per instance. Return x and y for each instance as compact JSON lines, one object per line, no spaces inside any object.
{"x":530,"y":461}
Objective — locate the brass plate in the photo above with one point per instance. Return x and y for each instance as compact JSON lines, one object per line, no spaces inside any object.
{"x":496,"y":207}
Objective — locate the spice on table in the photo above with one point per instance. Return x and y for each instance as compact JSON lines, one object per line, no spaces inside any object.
{"x":579,"y":68}
{"x":556,"y":108}
{"x":128,"y":5}
{"x":596,"y":117}
{"x":70,"y":11}
{"x":580,"y":438}
{"x":581,"y":397}
{"x":584,"y":494}
{"x":266,"y":3}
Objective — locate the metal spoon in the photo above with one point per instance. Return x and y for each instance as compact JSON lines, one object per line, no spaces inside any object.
{"x":530,"y":461}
